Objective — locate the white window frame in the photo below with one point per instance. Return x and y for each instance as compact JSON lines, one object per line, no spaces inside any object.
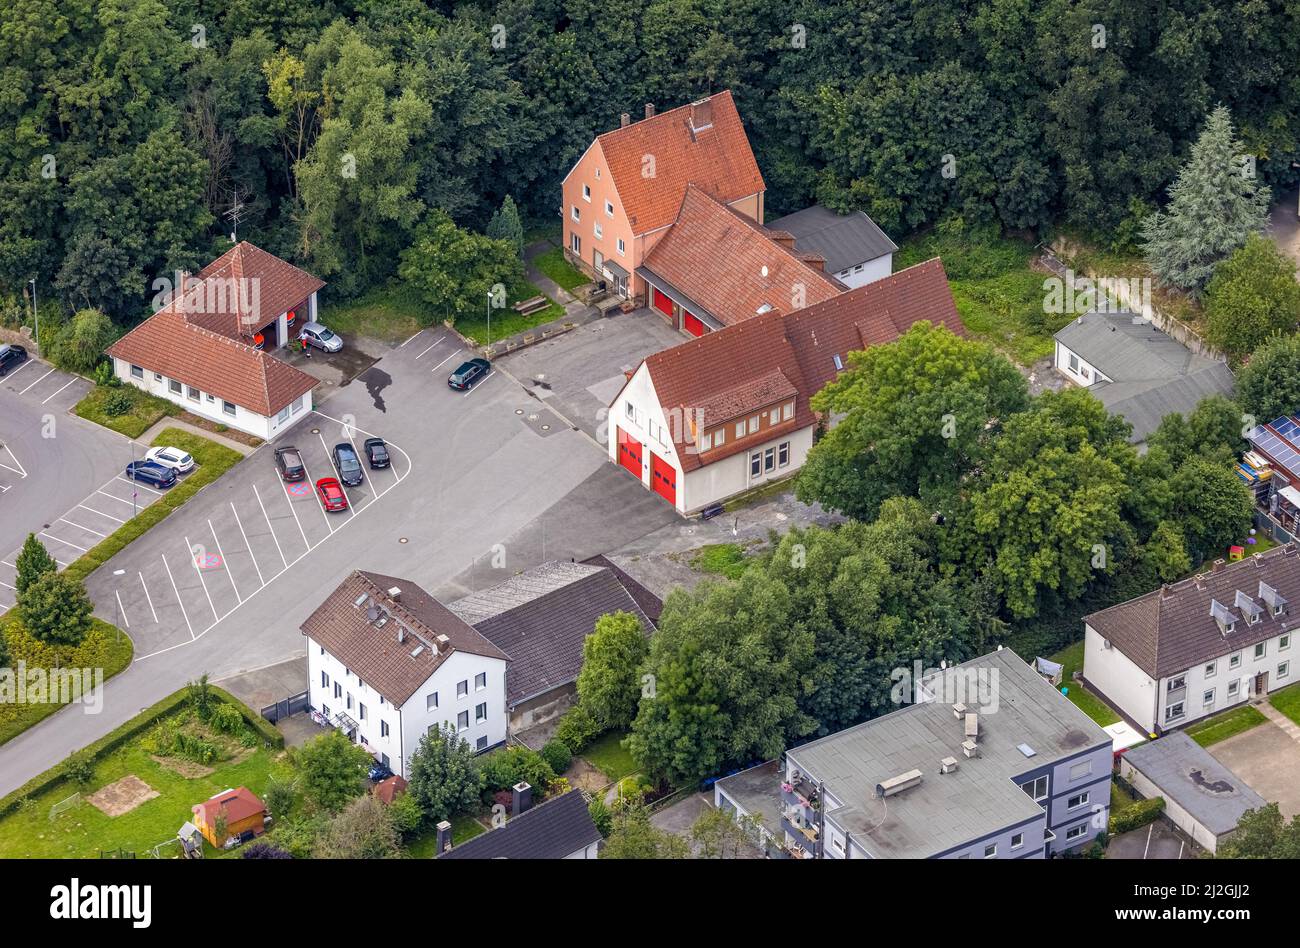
{"x":431,"y":701}
{"x":477,"y":686}
{"x":753,"y":425}
{"x":991,"y":851}
{"x":620,"y":246}
{"x":787,"y":411}
{"x":783,"y":454}
{"x":480,"y":712}
{"x":175,"y":387}
{"x":1211,"y":669}
{"x":577,"y":217}
{"x":1030,"y":788}
{"x":462,"y":716}
{"x":192,"y":393}
{"x":740,"y":429}
{"x":228,"y":408}
{"x":706,"y":441}
{"x":1075,"y":832}
{"x":1175,"y":711}
{"x":1082,"y":799}
{"x":1284,"y":642}
{"x":462,"y":689}
{"x":1234,"y":661}
{"x":137,"y":372}
{"x":1283,"y":669}
{"x":1261,"y":649}
{"x":1234,"y":688}
{"x":1207,"y":698}
{"x":609,"y":208}
{"x":598,"y":231}
{"x":586,"y":193}
{"x":1017,"y":840}
{"x":756,"y":464}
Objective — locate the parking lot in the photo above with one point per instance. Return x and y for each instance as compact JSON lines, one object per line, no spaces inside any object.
{"x":42,"y":384}
{"x":195,"y":573}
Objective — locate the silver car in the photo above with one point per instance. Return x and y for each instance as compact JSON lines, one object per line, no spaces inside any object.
{"x":321,"y":337}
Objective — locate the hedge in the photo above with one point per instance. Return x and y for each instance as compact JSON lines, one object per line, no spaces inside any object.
{"x":1139,"y":814}
{"x":124,"y":732}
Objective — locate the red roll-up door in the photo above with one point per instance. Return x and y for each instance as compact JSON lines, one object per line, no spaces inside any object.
{"x":629,"y":453}
{"x":663,"y":478}
{"x":691,"y":323}
{"x":662,"y":303}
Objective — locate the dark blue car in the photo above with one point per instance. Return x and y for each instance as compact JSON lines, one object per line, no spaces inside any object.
{"x":151,"y":473}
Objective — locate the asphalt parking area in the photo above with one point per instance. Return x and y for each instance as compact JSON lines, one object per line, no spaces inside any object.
{"x":42,"y":384}
{"x":226,"y":547}
{"x":1268,"y":760}
{"x":1157,"y":840}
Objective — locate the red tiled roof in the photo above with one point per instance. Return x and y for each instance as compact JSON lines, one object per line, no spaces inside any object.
{"x":260,"y":287}
{"x":731,"y":266}
{"x":731,"y":368}
{"x":717,"y":158}
{"x":238,"y":805}
{"x":389,"y":789}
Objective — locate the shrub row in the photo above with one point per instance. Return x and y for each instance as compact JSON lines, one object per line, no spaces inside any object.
{"x":1139,"y":814}
{"x":130,"y":729}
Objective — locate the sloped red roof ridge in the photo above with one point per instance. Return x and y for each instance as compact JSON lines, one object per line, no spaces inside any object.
{"x":802,"y":346}
{"x":717,"y":158}
{"x":280,"y":284}
{"x":238,"y":805}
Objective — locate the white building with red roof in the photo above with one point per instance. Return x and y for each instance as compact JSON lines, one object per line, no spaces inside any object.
{"x":207,"y":349}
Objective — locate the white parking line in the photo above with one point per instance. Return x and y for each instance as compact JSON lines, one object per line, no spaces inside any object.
{"x":123,"y":477}
{"x":129,"y":503}
{"x":178,"y":596}
{"x":248,"y":546}
{"x":120,"y":609}
{"x":403,"y":345}
{"x":19,"y":470}
{"x":25,"y":364}
{"x":80,"y":527}
{"x":38,"y":381}
{"x":323,"y":512}
{"x":437,"y":342}
{"x":272,"y":529}
{"x":225,"y":562}
{"x":7,"y":586}
{"x":64,"y":542}
{"x":194,"y":561}
{"x":148,"y":598}
{"x":65,"y":385}
{"x":100,"y":512}
{"x":443,"y":362}
{"x":479,"y":385}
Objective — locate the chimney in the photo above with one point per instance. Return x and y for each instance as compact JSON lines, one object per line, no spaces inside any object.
{"x":816,"y":262}
{"x":782,"y":238}
{"x":521,"y":798}
{"x":649,"y":110}
{"x":395,"y":594}
{"x":444,"y":836}
{"x":1217,"y":565}
{"x":701,"y":114}
{"x":624,"y":120}
{"x":443,"y":643}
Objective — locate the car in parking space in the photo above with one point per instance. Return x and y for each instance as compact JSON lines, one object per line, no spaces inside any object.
{"x":379,"y":771}
{"x":289,"y":461}
{"x":174,"y":458}
{"x":331,"y":494}
{"x":376,"y":453}
{"x":151,"y":473}
{"x":468,"y":373}
{"x":11,"y":357}
{"x":321,"y":337}
{"x":348,"y":464}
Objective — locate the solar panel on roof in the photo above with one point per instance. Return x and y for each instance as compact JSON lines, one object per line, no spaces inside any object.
{"x":1286,"y":427}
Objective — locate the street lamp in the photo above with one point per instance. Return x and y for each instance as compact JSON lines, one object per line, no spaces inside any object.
{"x":36,"y":317}
{"x":119,"y":572}
{"x":489,"y":314}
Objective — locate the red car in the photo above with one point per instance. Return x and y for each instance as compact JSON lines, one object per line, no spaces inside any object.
{"x":331,"y":494}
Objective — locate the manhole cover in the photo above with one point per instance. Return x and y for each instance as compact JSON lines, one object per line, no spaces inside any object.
{"x":403,"y":540}
{"x":315,"y":431}
{"x":546,"y":427}
{"x":532,"y":417}
{"x":519,"y":411}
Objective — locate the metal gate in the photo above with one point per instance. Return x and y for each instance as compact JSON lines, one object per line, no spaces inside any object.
{"x":286,"y":708}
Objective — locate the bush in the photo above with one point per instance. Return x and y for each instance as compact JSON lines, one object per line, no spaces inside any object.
{"x":264,"y":850}
{"x":225,"y":719}
{"x":503,"y":769}
{"x":1139,"y":814}
{"x":600,"y":815}
{"x":557,"y":754}
{"x":80,"y":769}
{"x":577,"y":729}
{"x":117,"y":403}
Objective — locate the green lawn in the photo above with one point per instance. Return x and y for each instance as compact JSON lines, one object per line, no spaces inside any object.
{"x":83,"y":830}
{"x":553,"y":265}
{"x":1071,"y":659}
{"x":609,"y":757}
{"x":1288,"y":702}
{"x":464,"y":827}
{"x":998,"y":295}
{"x":725,"y":559}
{"x":1222,"y":726}
{"x":392,"y":313}
{"x":141,"y":410}
{"x":507,"y":322}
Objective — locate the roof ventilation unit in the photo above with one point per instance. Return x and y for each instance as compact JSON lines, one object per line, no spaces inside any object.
{"x":959,"y":710}
{"x":395,"y":593}
{"x":970,"y":748}
{"x":947,"y":765}
{"x":972,"y":726}
{"x":904,"y":781}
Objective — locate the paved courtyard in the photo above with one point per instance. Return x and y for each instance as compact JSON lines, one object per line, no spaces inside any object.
{"x":1268,"y":760}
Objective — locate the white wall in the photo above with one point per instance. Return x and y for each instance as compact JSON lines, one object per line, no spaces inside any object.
{"x":1199,"y":682}
{"x":871,"y":271}
{"x":1116,"y":676}
{"x":1176,"y":814}
{"x":729,"y":476}
{"x":1086,"y":374}
{"x":647,"y":423}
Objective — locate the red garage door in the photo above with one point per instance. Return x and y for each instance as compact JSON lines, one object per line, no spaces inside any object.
{"x":662,"y":303}
{"x":691,"y":323}
{"x":629,"y":453}
{"x":663,"y":478}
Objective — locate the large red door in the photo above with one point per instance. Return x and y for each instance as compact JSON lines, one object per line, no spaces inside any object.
{"x":692,"y":324}
{"x":629,"y":453}
{"x":663,"y":478}
{"x":662,"y":303}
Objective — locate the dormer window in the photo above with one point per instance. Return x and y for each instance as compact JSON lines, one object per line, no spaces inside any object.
{"x":1251,"y":609}
{"x":1225,"y":617}
{"x":1275,"y":601}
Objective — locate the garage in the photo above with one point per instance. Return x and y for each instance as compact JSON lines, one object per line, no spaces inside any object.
{"x":629,"y":453}
{"x":663,"y":478}
{"x":662,"y":302}
{"x":692,"y":324}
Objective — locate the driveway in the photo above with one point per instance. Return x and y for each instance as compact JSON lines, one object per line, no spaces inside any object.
{"x":1157,"y":840}
{"x":1284,"y":224}
{"x":1268,"y":760}
{"x":222,"y":585}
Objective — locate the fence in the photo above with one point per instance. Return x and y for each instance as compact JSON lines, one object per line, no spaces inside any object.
{"x":286,"y":708}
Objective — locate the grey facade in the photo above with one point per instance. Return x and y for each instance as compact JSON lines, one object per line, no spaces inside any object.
{"x":1010,"y":771}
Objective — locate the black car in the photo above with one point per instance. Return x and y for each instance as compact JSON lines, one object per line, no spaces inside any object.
{"x":151,"y":473}
{"x":469,"y":372}
{"x":376,"y":452}
{"x":289,"y":460}
{"x":348,"y":465}
{"x":11,"y":357}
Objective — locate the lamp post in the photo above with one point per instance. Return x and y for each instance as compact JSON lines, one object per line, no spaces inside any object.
{"x":36,"y":317}
{"x":489,"y":317}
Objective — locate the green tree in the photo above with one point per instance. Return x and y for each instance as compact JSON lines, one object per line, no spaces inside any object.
{"x":455,"y":270}
{"x":505,"y":225}
{"x":444,"y":778}
{"x":609,"y":683}
{"x":33,"y":562}
{"x":1215,"y":204}
{"x":633,"y":836}
{"x":363,"y":830}
{"x":1269,"y":384}
{"x":56,"y":610}
{"x":721,"y":834}
{"x":1252,"y":296}
{"x":1215,"y":508}
{"x":331,"y":771}
{"x":1165,"y":556}
{"x":1263,"y":834}
{"x":918,"y":415}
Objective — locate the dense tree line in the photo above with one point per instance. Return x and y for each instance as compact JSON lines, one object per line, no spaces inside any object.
{"x":135,"y":125}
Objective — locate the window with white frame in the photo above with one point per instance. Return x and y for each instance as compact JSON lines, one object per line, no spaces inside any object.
{"x":1261,"y":649}
{"x":324,"y":680}
{"x":621,"y":246}
{"x":774,"y":416}
{"x":706,"y":441}
{"x":481,"y":744}
{"x":480,"y":681}
{"x":1234,"y":688}
{"x":609,"y":208}
{"x":1283,"y":669}
{"x":1036,"y":788}
{"x":228,"y":408}
{"x":1076,"y":801}
{"x":787,"y":411}
{"x":586,"y":192}
{"x":1207,"y":699}
{"x":574,"y":213}
{"x":192,"y":393}
{"x":598,"y":230}
{"x":756,"y":464}
{"x":1283,"y":642}
{"x":137,"y":372}
{"x":383,"y":728}
{"x":1210,"y":669}
{"x":1076,"y":831}
{"x":753,"y":424}
{"x":783,"y":454}
{"x":720,"y":436}
{"x":740,"y":429}
{"x":431,"y":701}
{"x":1234,"y":661}
{"x":283,"y":416}
{"x":769,"y":460}
{"x":1017,"y":840}
{"x":480,"y":713}
{"x":462,"y":721}
{"x":1074,"y":362}
{"x":990,"y":850}
{"x":1174,"y":711}
{"x":462,"y":688}
{"x":1178,"y":681}
{"x":173,"y":386}
{"x":298,"y":403}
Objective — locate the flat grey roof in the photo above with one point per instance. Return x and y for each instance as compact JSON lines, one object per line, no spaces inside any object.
{"x":946,"y":811}
{"x":845,"y":240}
{"x":757,"y":791}
{"x":1189,"y":775}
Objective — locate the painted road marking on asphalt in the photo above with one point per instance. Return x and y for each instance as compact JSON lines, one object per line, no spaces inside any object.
{"x":26,"y":363}
{"x":137,"y":484}
{"x":272,"y":529}
{"x":403,"y":345}
{"x":316,"y":493}
{"x":178,"y":595}
{"x":100,"y":512}
{"x":230,"y":574}
{"x":443,"y":362}
{"x":248,"y":545}
{"x":19,"y":470}
{"x":437,"y":342}
{"x":352,"y":510}
{"x":148,"y":597}
{"x":65,"y":385}
{"x":120,"y":609}
{"x":115,"y":497}
{"x":194,"y":561}
{"x":7,"y":586}
{"x":80,"y":527}
{"x":64,"y":542}
{"x":38,"y":381}
{"x":296,"y":560}
{"x":479,"y":385}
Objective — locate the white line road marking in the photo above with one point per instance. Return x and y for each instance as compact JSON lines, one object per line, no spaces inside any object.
{"x":26,"y":363}
{"x":248,"y":546}
{"x":148,"y":597}
{"x":64,"y":542}
{"x":114,"y":496}
{"x":352,"y":511}
{"x":403,"y":345}
{"x":38,"y":381}
{"x":271,"y":528}
{"x":65,"y":385}
{"x":100,"y":512}
{"x":479,"y":385}
{"x":135,"y":483}
{"x":315,"y":494}
{"x":1147,"y":848}
{"x":230,"y":574}
{"x":7,"y":586}
{"x":80,"y":527}
{"x":178,"y":595}
{"x":194,"y":561}
{"x":120,"y":609}
{"x":443,"y":362}
{"x":19,"y":470}
{"x":289,"y":500}
{"x":437,"y":342}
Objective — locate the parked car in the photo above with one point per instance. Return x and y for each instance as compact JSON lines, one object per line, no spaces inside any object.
{"x":320,"y":337}
{"x":11,"y":357}
{"x":174,"y":458}
{"x":380,"y":771}
{"x":289,"y":460}
{"x":348,"y":465}
{"x":376,"y":453}
{"x":468,"y":373}
{"x":151,"y":473}
{"x":331,"y":494}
